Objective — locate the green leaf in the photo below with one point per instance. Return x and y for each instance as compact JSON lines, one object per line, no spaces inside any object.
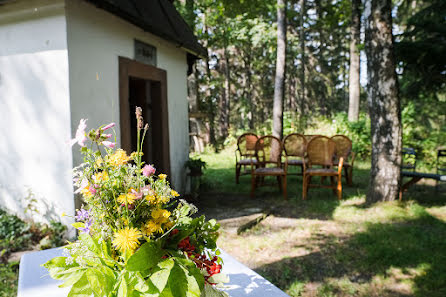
{"x":73,"y":278}
{"x":160,"y":276}
{"x":81,"y":288}
{"x":78,"y":225}
{"x":148,"y":255}
{"x":101,"y":280}
{"x":122,"y":290}
{"x":194,"y":278}
{"x":219,"y":278}
{"x":178,"y":281}
{"x":210,"y":291}
{"x":91,"y":244}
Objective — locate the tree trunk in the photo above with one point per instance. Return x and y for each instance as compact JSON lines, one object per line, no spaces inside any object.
{"x":302,"y":53}
{"x":354,"y":88}
{"x":384,"y":103}
{"x":225,"y":97}
{"x":280,"y":70}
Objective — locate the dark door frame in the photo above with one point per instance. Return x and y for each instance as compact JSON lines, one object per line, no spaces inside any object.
{"x":130,"y":68}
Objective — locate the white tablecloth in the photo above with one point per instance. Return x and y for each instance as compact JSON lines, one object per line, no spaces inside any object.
{"x":34,"y":280}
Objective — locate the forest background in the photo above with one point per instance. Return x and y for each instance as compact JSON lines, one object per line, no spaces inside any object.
{"x":231,"y":91}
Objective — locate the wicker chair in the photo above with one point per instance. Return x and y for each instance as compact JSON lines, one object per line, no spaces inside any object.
{"x":344,"y":149}
{"x":409,"y":158}
{"x":245,"y":154}
{"x":321,"y":151}
{"x":269,"y":158}
{"x":294,"y":146}
{"x":441,"y":164}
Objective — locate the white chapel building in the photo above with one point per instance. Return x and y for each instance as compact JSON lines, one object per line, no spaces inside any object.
{"x":65,"y":60}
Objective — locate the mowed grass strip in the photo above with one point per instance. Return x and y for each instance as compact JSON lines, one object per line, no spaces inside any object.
{"x":322,"y":247}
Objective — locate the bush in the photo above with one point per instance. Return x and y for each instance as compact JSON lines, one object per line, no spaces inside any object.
{"x":17,"y":235}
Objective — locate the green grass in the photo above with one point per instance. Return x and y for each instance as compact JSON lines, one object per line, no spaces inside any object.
{"x":8,"y":279}
{"x":322,"y":247}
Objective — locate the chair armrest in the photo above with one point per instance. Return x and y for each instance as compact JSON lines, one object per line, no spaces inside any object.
{"x":286,"y":164}
{"x":340,"y":164}
{"x":237,"y":156}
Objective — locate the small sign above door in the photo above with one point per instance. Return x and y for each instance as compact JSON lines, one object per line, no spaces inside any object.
{"x":145,"y":53}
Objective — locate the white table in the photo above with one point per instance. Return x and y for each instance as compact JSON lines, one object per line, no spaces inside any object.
{"x":34,"y":280}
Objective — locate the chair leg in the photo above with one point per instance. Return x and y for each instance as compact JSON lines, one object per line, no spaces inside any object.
{"x":339,"y":189}
{"x":305,"y":181}
{"x":253,"y":185}
{"x":350,"y":176}
{"x":333,"y":184}
{"x":279,"y":181}
{"x":284,"y":192}
{"x":237,"y":173}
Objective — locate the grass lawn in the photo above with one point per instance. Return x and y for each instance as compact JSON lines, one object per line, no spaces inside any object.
{"x":8,"y":279}
{"x":322,"y":247}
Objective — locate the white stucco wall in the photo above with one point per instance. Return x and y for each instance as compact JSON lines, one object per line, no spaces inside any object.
{"x":96,"y":39}
{"x":34,"y":108}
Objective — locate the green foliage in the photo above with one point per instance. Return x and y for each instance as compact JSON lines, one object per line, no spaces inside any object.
{"x":8,"y":278}
{"x":195,"y":164}
{"x":94,"y":270}
{"x":17,"y":235}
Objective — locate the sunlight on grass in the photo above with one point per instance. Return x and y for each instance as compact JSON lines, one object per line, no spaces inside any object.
{"x":378,"y":213}
{"x":326,"y":247}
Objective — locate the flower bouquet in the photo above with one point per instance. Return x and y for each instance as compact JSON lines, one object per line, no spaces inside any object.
{"x":136,"y":237}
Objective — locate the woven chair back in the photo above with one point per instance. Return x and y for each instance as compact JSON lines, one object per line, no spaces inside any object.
{"x":309,"y":137}
{"x":246,"y":144}
{"x":294,"y":145}
{"x":320,"y":151}
{"x":343,"y":146}
{"x":269,"y":150}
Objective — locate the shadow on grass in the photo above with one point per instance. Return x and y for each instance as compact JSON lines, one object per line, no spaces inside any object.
{"x":219,"y":191}
{"x":413,"y":252}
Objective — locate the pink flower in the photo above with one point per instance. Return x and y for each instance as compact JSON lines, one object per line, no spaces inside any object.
{"x":81,"y":137}
{"x":108,"y":144}
{"x":92,"y":190}
{"x":111,"y":125}
{"x":148,"y":170}
{"x":107,"y":136}
{"x":138,"y":195}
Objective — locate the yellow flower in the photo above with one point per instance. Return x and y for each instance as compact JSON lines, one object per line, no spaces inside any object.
{"x":151,"y":198}
{"x":118,"y":158}
{"x":100,"y":177}
{"x":63,"y":214}
{"x":162,"y":176}
{"x":126,"y":239}
{"x":169,"y":225}
{"x":174,"y":193}
{"x":163,"y":199}
{"x":98,"y":162}
{"x":129,"y":198}
{"x":152,"y":227}
{"x":125,"y":221}
{"x":160,"y":215}
{"x":86,"y":192}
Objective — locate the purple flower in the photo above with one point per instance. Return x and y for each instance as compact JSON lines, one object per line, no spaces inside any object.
{"x":108,"y":144}
{"x":148,"y":170}
{"x":82,"y":215}
{"x":87,"y":227}
{"x":80,"y":137}
{"x":111,"y":125}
